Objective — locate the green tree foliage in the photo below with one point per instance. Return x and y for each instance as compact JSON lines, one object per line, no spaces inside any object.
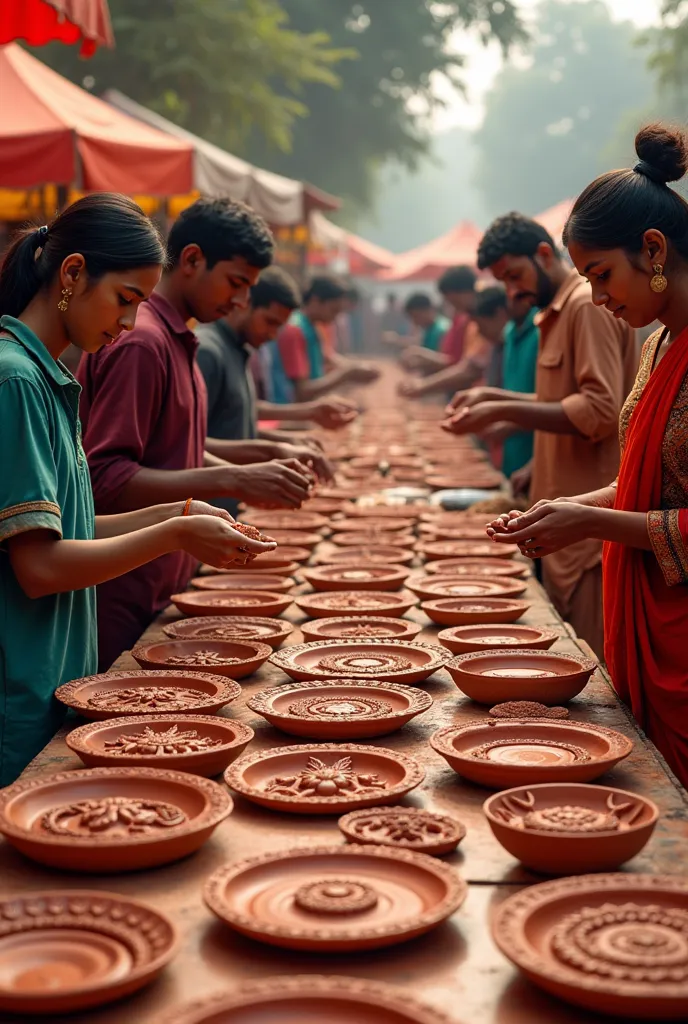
{"x":669,"y":46}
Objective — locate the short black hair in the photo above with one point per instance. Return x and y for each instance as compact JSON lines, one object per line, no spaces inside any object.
{"x":419,"y":300}
{"x":325,"y":287}
{"x":275,"y":285}
{"x":512,"y":235}
{"x":489,"y":301}
{"x":457,"y":279}
{"x":223,"y":229}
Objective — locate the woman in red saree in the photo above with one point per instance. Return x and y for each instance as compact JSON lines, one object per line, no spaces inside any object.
{"x":628,"y":234}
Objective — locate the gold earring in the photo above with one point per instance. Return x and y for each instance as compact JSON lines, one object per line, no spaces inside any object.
{"x":659,"y":282}
{"x":63,"y":304}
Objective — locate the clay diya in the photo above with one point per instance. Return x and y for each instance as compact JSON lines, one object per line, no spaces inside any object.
{"x":243,"y":581}
{"x":356,"y":603}
{"x":450,"y":548}
{"x":231,"y":602}
{"x":404,"y":828}
{"x":450,"y":611}
{"x":375,"y":524}
{"x":527,"y":709}
{"x":361,"y":627}
{"x":430,"y":587}
{"x":566,"y":828}
{"x":306,"y":521}
{"x":119,"y":694}
{"x":231,"y":658}
{"x":469,"y":639}
{"x":295,"y":540}
{"x":324,"y":778}
{"x":62,"y":951}
{"x":503,"y":753}
{"x":111,"y":819}
{"x":267,"y":567}
{"x":266,"y":631}
{"x":492,"y":677}
{"x":391,"y":661}
{"x":355,"y":539}
{"x":374,"y":555}
{"x":493,"y":568}
{"x":360,"y":577}
{"x":335,"y":899}
{"x":345,"y":709}
{"x":610,"y":943}
{"x":187,"y":743}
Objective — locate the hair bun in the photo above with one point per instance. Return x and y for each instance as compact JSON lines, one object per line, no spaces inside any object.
{"x":664,"y":150}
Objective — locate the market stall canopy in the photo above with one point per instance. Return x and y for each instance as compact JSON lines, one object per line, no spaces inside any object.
{"x":53,"y":132}
{"x":282,"y":201}
{"x":554,"y":219}
{"x":64,"y":21}
{"x":426,"y":263}
{"x":363,"y":258}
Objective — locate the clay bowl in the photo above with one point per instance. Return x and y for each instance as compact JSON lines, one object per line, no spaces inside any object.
{"x":121,"y":694}
{"x":450,"y":611}
{"x":404,"y":828}
{"x":355,"y":539}
{"x":341,"y":603}
{"x":102,"y":820}
{"x":335,"y":899}
{"x":359,"y":576}
{"x":235,"y":658}
{"x":451,"y":548}
{"x":324,"y":778}
{"x":186,"y":743}
{"x":286,"y":521}
{"x":470,"y":639}
{"x":476,"y":587}
{"x":236,"y":602}
{"x":467,"y":478}
{"x":375,"y":524}
{"x":368,"y":555}
{"x":394,"y":461}
{"x":290,"y":553}
{"x":614,"y":944}
{"x":566,"y":828}
{"x":497,"y":676}
{"x":465,"y":536}
{"x":325,"y":506}
{"x":295,"y":540}
{"x":243,"y":581}
{"x":391,"y":661}
{"x":346,"y":628}
{"x":346,"y":709}
{"x":505,"y":753}
{"x":220,"y":627}
{"x":383,"y":511}
{"x":337,"y":1000}
{"x":62,"y":951}
{"x":268,"y":567}
{"x":493,"y":568}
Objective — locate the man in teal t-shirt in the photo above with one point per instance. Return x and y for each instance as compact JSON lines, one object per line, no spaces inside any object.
{"x":521,"y":341}
{"x":423,"y":315}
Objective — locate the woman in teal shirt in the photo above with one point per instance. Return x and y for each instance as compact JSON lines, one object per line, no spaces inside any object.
{"x":80,"y":280}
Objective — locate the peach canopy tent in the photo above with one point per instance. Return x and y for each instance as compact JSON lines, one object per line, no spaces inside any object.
{"x":331,"y":242}
{"x":65,"y":21}
{"x":427,"y":262}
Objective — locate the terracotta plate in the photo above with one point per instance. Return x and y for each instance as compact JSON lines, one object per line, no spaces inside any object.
{"x":295,"y":539}
{"x":324,"y":778}
{"x":243,"y":581}
{"x":62,"y":951}
{"x":346,"y":709}
{"x":117,"y":694}
{"x":467,"y":639}
{"x":235,"y":602}
{"x":393,"y":661}
{"x":335,"y":898}
{"x":200,"y":744}
{"x":455,"y":547}
{"x":501,"y":754}
{"x":436,"y":539}
{"x":371,"y":555}
{"x":355,"y":539}
{"x":266,"y":631}
{"x":404,"y":828}
{"x":111,"y":819}
{"x":362,"y":576}
{"x":609,"y":943}
{"x":384,"y":512}
{"x":565,"y":828}
{"x":290,"y":553}
{"x":468,"y":478}
{"x":383,"y":459}
{"x":262,"y":566}
{"x":375,"y":524}
{"x":430,"y":587}
{"x":491,"y":677}
{"x":325,"y":506}
{"x":493,"y":568}
{"x":286,"y":521}
{"x":450,"y":611}
{"x":231,"y":658}
{"x":360,"y":627}
{"x":356,"y":602}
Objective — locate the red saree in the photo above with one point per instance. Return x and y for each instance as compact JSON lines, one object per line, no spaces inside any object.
{"x":646,"y":621}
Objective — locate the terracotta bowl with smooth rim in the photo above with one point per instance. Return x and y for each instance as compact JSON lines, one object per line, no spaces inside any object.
{"x":143,"y":692}
{"x":492,"y":568}
{"x":230,"y":658}
{"x":565,"y":828}
{"x":497,"y":676}
{"x":467,"y":611}
{"x":361,"y":576}
{"x":404,"y":828}
{"x":474,"y":639}
{"x":231,"y":602}
{"x":428,"y":588}
{"x":353,"y":603}
{"x":391,"y":661}
{"x":355,"y":539}
{"x":306,"y":521}
{"x":506,"y":753}
{"x":370,"y":555}
{"x":238,"y":581}
{"x":296,"y":540}
{"x":260,"y":567}
{"x":360,"y":627}
{"x":220,"y":627}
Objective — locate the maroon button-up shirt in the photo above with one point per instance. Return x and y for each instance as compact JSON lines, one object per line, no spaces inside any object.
{"x":144,"y":403}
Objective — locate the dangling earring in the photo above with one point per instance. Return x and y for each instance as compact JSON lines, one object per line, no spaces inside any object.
{"x":63,"y":304}
{"x":659,"y":282}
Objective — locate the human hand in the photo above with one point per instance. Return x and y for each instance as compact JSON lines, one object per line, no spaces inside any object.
{"x":473,"y":419}
{"x":470,"y":397}
{"x":333,"y":413}
{"x":413,"y":358}
{"x":520,"y":480}
{"x":497,"y":432}
{"x":410,"y":388}
{"x":280,"y":483}
{"x":311,"y":456}
{"x":547,"y":527}
{"x":202,"y":508}
{"x":363,"y":373}
{"x":213,"y":541}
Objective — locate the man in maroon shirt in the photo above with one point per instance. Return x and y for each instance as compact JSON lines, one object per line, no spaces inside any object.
{"x":144,"y":410}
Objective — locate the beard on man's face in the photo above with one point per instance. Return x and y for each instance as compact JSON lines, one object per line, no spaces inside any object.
{"x":544,"y":292}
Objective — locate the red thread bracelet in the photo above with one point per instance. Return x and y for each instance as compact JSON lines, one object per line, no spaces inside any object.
{"x":187,"y":507}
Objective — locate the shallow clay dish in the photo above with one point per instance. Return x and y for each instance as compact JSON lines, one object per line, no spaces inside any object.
{"x":610,"y":943}
{"x":404,"y":828}
{"x":502,"y":754}
{"x":355,"y":539}
{"x":450,"y":611}
{"x":469,"y":639}
{"x":374,"y":524}
{"x":325,"y":506}
{"x":346,"y":709}
{"x":527,"y":709}
{"x":431,"y":587}
{"x":383,"y":511}
{"x":467,"y":479}
{"x":565,"y":828}
{"x":461,"y":539}
{"x":230,"y":658}
{"x":100,"y":820}
{"x":295,"y":540}
{"x":200,"y":744}
{"x":492,"y":677}
{"x":266,"y":631}
{"x":243,"y":581}
{"x":305,"y":521}
{"x":392,"y":661}
{"x":62,"y":951}
{"x":372,"y":555}
{"x":335,"y":898}
{"x":234,"y":602}
{"x":352,"y":603}
{"x":493,"y":568}
{"x":260,"y":567}
{"x":360,"y":627}
{"x":360,"y":576}
{"x":288,"y":553}
{"x":324,"y":778}
{"x":119,"y":694}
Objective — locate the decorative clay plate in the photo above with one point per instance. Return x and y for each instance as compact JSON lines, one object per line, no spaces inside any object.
{"x":116,"y":694}
{"x":392,"y":661}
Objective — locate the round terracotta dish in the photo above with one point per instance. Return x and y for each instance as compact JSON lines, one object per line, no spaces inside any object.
{"x":469,"y":478}
{"x":404,"y":828}
{"x":613,"y":944}
{"x":342,"y":603}
{"x":62,"y":951}
{"x":437,"y":540}
{"x":324,"y":778}
{"x":430,"y":588}
{"x":345,"y":709}
{"x":335,"y":899}
{"x":493,"y":677}
{"x":374,"y":524}
{"x":565,"y":828}
{"x":260,"y":567}
{"x":450,"y":611}
{"x":230,"y":658}
{"x":295,"y":540}
{"x":236,"y":602}
{"x":325,"y":506}
{"x":391,"y":661}
{"x":383,"y":511}
{"x":361,"y":627}
{"x":243,"y":581}
{"x":100,"y":820}
{"x":506,"y":753}
{"x":449,"y":547}
{"x":493,"y":568}
{"x":200,"y":744}
{"x":382,"y":555}
{"x":359,"y":577}
{"x":266,"y":631}
{"x":119,"y":694}
{"x":289,"y":553}
{"x":286,"y":521}
{"x":354,"y":539}
{"x":470,"y":639}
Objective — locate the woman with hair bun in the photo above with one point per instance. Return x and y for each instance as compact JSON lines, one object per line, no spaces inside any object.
{"x":628,"y":234}
{"x":80,"y":279}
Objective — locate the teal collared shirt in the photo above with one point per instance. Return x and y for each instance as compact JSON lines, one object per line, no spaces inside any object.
{"x":44,"y":485}
{"x":521,"y":343}
{"x":433,"y":335}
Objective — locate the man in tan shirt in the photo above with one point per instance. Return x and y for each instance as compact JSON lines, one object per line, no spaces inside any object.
{"x":586,"y":367}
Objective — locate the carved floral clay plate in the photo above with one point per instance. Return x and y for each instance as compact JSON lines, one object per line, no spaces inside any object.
{"x":118,"y":694}
{"x":493,"y":568}
{"x":231,"y":602}
{"x":430,"y":588}
{"x":62,"y":951}
{"x":450,"y":611}
{"x":351,"y":576}
{"x":305,"y":521}
{"x":231,"y":658}
{"x":335,"y":898}
{"x":404,"y":828}
{"x":341,"y":603}
{"x":614,"y":944}
{"x":266,"y":631}
{"x":549,"y":677}
{"x":470,"y":639}
{"x":392,"y":661}
{"x":355,"y":539}
{"x":293,"y":540}
{"x":502,"y":754}
{"x":100,"y":820}
{"x":324,"y":778}
{"x":371,"y":555}
{"x":243,"y":581}
{"x":363,"y":627}
{"x":345,"y":709}
{"x":200,"y":744}
{"x":565,"y":828}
